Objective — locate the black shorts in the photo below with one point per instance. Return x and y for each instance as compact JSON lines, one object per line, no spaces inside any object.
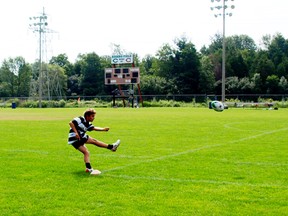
{"x":80,"y":142}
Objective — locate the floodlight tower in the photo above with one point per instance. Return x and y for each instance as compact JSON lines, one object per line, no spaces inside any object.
{"x":224,"y":7}
{"x":39,"y":25}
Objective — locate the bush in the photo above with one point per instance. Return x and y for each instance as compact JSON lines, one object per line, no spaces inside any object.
{"x":72,"y":103}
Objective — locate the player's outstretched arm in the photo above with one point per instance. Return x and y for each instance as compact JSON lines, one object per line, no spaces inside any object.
{"x":101,"y":129}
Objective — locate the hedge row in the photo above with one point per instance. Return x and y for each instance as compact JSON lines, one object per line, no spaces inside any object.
{"x":100,"y":103}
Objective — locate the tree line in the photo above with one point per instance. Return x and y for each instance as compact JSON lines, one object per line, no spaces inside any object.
{"x":175,"y":69}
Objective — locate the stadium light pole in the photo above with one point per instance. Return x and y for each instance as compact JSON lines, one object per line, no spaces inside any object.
{"x":224,"y":7}
{"x":39,"y":24}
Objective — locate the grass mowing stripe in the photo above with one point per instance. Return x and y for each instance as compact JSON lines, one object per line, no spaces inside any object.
{"x":262,"y":164}
{"x":195,"y":150}
{"x":259,"y":135}
{"x":233,"y":126}
{"x":26,"y":151}
{"x":198,"y":181}
{"x":237,"y":165}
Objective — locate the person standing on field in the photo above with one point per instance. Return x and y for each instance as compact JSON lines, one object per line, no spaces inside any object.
{"x":78,"y":137}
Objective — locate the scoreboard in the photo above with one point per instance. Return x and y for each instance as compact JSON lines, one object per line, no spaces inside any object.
{"x":122,"y":76}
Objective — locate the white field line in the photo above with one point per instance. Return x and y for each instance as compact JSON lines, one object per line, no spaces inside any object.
{"x":259,"y":135}
{"x":151,"y":178}
{"x":195,"y":150}
{"x":122,"y":156}
{"x":262,"y":164}
{"x":26,"y":150}
{"x":164,"y":157}
{"x":234,"y":127}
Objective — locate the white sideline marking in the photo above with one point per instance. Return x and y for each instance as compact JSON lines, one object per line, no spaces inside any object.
{"x":123,"y":156}
{"x":259,"y":135}
{"x":164,"y":157}
{"x":195,"y":150}
{"x":232,"y":126}
{"x":195,"y":181}
{"x":26,"y":150}
{"x":262,"y":164}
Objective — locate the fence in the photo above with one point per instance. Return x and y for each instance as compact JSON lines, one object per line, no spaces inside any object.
{"x":176,"y":97}
{"x":195,"y":98}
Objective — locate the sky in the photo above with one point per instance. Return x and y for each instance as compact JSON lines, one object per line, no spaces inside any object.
{"x":137,"y":26}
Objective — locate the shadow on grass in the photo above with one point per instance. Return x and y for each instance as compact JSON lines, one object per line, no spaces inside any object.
{"x":82,"y":174}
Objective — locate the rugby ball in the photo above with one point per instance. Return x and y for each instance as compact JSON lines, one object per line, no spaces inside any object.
{"x":217,"y":106}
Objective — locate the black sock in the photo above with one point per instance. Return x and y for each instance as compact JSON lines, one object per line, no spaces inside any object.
{"x":110,"y":146}
{"x":88,"y":165}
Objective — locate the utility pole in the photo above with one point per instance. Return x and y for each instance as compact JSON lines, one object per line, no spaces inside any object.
{"x":224,"y":7}
{"x":39,"y":25}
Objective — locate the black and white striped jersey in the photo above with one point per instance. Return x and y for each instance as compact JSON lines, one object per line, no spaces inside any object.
{"x":82,"y":127}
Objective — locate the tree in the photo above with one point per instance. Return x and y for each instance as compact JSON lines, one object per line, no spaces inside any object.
{"x":180,"y":66}
{"x":240,"y":53}
{"x":149,"y":65}
{"x":57,"y":81}
{"x":236,"y":85}
{"x":282,"y":68}
{"x":105,"y":61}
{"x":153,"y":85}
{"x":214,"y":51}
{"x":283,"y":84}
{"x":236,"y":66}
{"x":263,"y":65}
{"x":245,"y":86}
{"x":165,"y":57}
{"x":4,"y":89}
{"x":23,"y":81}
{"x":216,"y":44}
{"x":278,"y":49}
{"x":186,"y":67}
{"x":206,"y":76}
{"x":278,"y":54}
{"x":8,"y":75}
{"x":62,"y":61}
{"x":240,"y":42}
{"x":232,"y":85}
{"x":265,"y":42}
{"x":256,"y":83}
{"x":93,"y":74}
{"x":272,"y":83}
{"x":15,"y":76}
{"x":74,"y":85}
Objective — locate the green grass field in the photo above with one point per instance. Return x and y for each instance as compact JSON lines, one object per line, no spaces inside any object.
{"x":172,"y":161}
